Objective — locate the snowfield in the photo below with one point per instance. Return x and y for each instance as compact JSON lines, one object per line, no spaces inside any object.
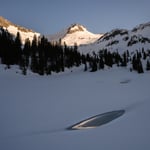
{"x":75,"y":34}
{"x":24,"y":35}
{"x":35,"y":110}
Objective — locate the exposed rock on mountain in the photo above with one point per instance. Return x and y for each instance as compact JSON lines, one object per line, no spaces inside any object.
{"x":75,"y":33}
{"x":13,"y":29}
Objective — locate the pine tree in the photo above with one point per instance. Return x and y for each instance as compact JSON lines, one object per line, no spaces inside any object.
{"x":124,"y":61}
{"x":27,"y":51}
{"x":140,"y":67}
{"x":144,"y":54}
{"x":48,"y":70}
{"x":128,"y":55}
{"x":34,"y":50}
{"x":62,"y":65}
{"x":24,"y":70}
{"x":84,"y":61}
{"x":101,"y":63}
{"x":18,"y":49}
{"x":94,"y":64}
{"x":6,"y":48}
{"x":134,"y":63}
{"x":147,"y":65}
{"x":109,"y":59}
{"x":85,"y":66}
{"x":42,"y":43}
{"x":117,"y":58}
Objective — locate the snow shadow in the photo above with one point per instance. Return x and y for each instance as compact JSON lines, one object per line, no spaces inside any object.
{"x":32,"y":133}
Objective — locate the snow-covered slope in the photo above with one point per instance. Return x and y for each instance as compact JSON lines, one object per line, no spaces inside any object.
{"x":35,"y":110}
{"x":121,"y":40}
{"x":76,"y":33}
{"x":13,"y":29}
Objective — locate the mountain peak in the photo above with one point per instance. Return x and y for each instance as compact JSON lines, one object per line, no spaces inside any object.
{"x":75,"y":33}
{"x":4,"y":22}
{"x":14,"y":29}
{"x":75,"y":28}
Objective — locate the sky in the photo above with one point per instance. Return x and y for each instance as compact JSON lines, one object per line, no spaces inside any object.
{"x":98,"y":16}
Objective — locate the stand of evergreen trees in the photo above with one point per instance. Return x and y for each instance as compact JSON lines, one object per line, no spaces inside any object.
{"x":43,"y":57}
{"x":106,"y":58}
{"x":40,"y":55}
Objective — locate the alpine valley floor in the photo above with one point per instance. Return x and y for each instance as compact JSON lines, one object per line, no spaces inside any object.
{"x":35,"y":110}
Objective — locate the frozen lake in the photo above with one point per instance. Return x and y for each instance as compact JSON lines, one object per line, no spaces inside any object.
{"x":35,"y":110}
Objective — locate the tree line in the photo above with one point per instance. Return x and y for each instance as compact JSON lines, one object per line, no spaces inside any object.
{"x":134,"y":60}
{"x":44,"y":57}
{"x":39,"y":55}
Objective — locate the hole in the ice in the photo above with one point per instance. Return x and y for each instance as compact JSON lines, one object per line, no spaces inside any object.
{"x":125,"y":81}
{"x":97,"y":120}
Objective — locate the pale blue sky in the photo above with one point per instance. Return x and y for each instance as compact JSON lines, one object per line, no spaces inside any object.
{"x":99,"y":16}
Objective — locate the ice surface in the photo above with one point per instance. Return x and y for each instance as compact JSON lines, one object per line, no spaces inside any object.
{"x":97,"y":120}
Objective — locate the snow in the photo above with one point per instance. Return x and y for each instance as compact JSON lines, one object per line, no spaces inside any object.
{"x":14,"y":29}
{"x":80,"y":37}
{"x":35,"y":110}
{"x":122,"y":45}
{"x":24,"y":35}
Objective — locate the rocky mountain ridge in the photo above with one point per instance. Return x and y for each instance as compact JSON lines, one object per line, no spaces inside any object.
{"x":122,"y":40}
{"x":13,"y":29}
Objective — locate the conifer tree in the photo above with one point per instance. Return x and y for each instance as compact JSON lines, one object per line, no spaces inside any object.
{"x":94,"y":63}
{"x":17,"y":49}
{"x":144,"y":54}
{"x":85,"y":66}
{"x":101,"y":63}
{"x":84,"y":61}
{"x":140,"y":67}
{"x":124,"y":61}
{"x":117,"y":58}
{"x":147,"y":65}
{"x":34,"y":50}
{"x":6,"y":48}
{"x":134,"y":63}
{"x":27,"y":51}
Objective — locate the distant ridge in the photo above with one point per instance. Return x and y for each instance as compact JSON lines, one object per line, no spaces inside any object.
{"x":121,"y":40}
{"x":13,"y":29}
{"x":5,"y":23}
